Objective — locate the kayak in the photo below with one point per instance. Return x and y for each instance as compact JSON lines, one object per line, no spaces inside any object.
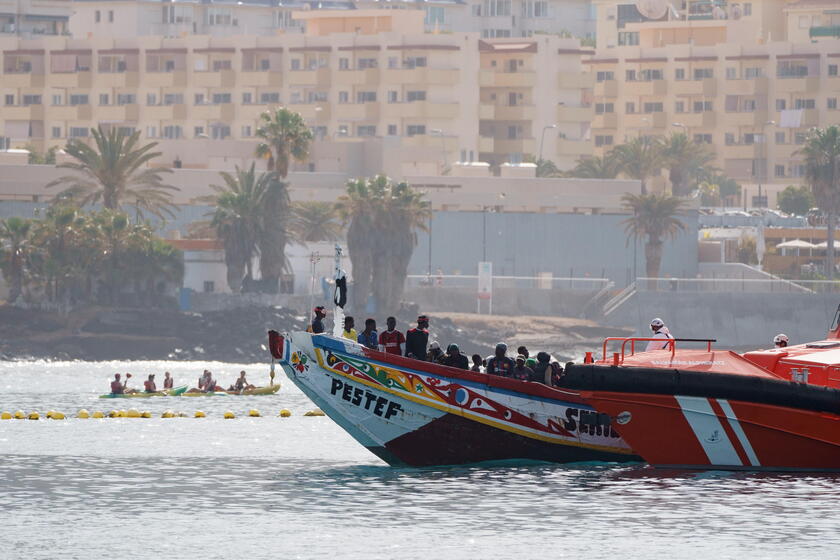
{"x":177,"y":391}
{"x":269,"y":390}
{"x":203,"y":394}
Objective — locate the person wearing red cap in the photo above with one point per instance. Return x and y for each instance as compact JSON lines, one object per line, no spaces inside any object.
{"x":417,"y":338}
{"x":391,"y":340}
{"x":317,"y":326}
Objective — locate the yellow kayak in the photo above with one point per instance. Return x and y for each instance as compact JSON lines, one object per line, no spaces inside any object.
{"x":269,"y":390}
{"x":142,"y":394}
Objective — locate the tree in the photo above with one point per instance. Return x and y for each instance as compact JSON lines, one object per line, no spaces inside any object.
{"x":14,"y":236}
{"x":596,"y":167}
{"x":655,"y":218}
{"x":383,"y":218}
{"x":640,"y":158}
{"x":240,"y":219}
{"x":796,"y":200}
{"x":717,"y":189}
{"x":115,"y":173}
{"x":314,"y":222}
{"x":545,"y":167}
{"x":285,"y":138}
{"x":687,"y":162}
{"x":41,"y":158}
{"x":822,"y":171}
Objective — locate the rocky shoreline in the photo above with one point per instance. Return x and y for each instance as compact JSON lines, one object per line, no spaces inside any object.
{"x":239,"y":335}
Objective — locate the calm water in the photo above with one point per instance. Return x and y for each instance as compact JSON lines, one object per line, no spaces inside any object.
{"x":300,"y":488}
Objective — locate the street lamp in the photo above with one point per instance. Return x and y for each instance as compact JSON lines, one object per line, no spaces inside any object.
{"x":542,"y":139}
{"x":682,"y":126}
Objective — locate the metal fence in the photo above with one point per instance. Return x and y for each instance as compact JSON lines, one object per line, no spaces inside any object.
{"x":729,"y":285}
{"x":546,"y":282}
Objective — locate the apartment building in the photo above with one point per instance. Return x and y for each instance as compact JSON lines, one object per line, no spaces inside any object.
{"x":722,"y":79}
{"x":377,"y":95}
{"x":34,"y":18}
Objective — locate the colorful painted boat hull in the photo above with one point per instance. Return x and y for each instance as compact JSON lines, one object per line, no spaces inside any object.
{"x":419,"y":414}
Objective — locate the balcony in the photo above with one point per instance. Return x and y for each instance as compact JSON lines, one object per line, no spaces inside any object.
{"x":164,"y":112}
{"x":117,"y":79}
{"x":514,"y":112}
{"x":70,"y":80}
{"x":222,"y":112}
{"x":317,"y":77}
{"x":359,"y":111}
{"x":744,"y":118}
{"x":118,"y":113}
{"x":313,"y":111}
{"x":514,"y":145}
{"x":646,"y":120}
{"x":797,"y":85}
{"x":486,"y":111}
{"x":755,"y":86}
{"x":422,"y":75}
{"x":574,"y":114}
{"x":605,"y":120}
{"x":486,"y":144}
{"x":22,"y":112}
{"x":214,"y":79}
{"x":810,"y":117}
{"x":520,"y":79}
{"x":576,"y":80}
{"x":366,"y":77}
{"x":705,"y":119}
{"x":742,"y":151}
{"x":575,"y":148}
{"x":22,"y":80}
{"x":707,"y":87}
{"x":831,"y":31}
{"x":70,"y":112}
{"x":607,"y":88}
{"x":653,"y":87}
{"x":165,"y":79}
{"x":260,"y":78}
{"x":421,"y":110}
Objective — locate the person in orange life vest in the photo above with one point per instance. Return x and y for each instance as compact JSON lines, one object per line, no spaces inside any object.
{"x":391,"y":340}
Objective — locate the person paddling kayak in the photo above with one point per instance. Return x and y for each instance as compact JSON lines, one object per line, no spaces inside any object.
{"x":120,"y":387}
{"x":149,"y":385}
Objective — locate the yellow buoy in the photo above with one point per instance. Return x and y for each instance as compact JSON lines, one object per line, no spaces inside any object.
{"x":254,"y":413}
{"x":83,"y":413}
{"x":285,"y":413}
{"x":168,"y":414}
{"x":34,"y":416}
{"x":57,"y":415}
{"x":229,"y":414}
{"x":20,"y":415}
{"x":182,"y":414}
{"x":123,"y":413}
{"x":200,"y":414}
{"x":113,"y":414}
{"x":132,"y":413}
{"x":98,"y":414}
{"x":145,"y":414}
{"x":49,"y":413}
{"x":6,"y":416}
{"x":316,"y":412}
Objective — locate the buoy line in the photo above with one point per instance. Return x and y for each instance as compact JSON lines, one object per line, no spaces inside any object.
{"x":84,"y":414}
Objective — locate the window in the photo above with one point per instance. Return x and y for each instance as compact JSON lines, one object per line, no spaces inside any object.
{"x":151,"y":132}
{"x":700,"y":106}
{"x":393,"y":62}
{"x":317,"y":96}
{"x":476,"y":9}
{"x":601,"y":108}
{"x":209,"y":286}
{"x":219,"y":131}
{"x":604,"y":75}
{"x":791,"y":69}
{"x":679,"y":74}
{"x":753,"y":73}
{"x":415,"y":96}
{"x":650,"y":74}
{"x":198,"y":131}
{"x":269,"y":97}
{"x":781,"y":104}
{"x":10,"y":99}
{"x":79,"y":99}
{"x":31,"y":99}
{"x":219,"y":98}
{"x":344,"y":63}
{"x":103,"y":99}
{"x":247,"y":98}
{"x":703,"y":73}
{"x":804,"y":104}
{"x":628,"y":38}
{"x":79,"y":132}
{"x":435,"y":15}
{"x":366,"y":130}
{"x":172,"y":132}
{"x":343,"y":130}
{"x":366,"y":96}
{"x":749,"y":105}
{"x":56,"y":132}
{"x":415,"y":62}
{"x":832,"y":69}
{"x":731,"y":73}
{"x":365,"y":63}
{"x":199,"y":99}
{"x":151,"y":99}
{"x":629,"y":107}
{"x":603,"y":140}
{"x":779,"y":170}
{"x":780,"y":137}
{"x":799,"y":138}
{"x":747,"y":8}
{"x":295,"y":97}
{"x":729,"y":139}
{"x":127,"y":130}
{"x":830,"y":103}
{"x":702,"y":138}
{"x":246,"y":131}
{"x":343,"y":97}
{"x":392,"y":130}
{"x":630,"y":75}
{"x":110,"y":16}
{"x":393,"y":96}
{"x":752,"y":138}
{"x":173,"y":98}
{"x":415,"y":129}
{"x":295,"y":64}
{"x":97,"y":16}
{"x":220,"y":16}
{"x":219,"y":65}
{"x":496,"y":8}
{"x":56,"y":99}
{"x":177,"y":14}
{"x":653,"y":107}
{"x":679,"y":106}
{"x":126,"y":99}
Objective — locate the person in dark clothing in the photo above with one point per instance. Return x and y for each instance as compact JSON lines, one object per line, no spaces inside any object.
{"x":391,"y":340}
{"x":454,"y":358}
{"x":477,"y":363}
{"x":417,"y":338}
{"x":317,"y":326}
{"x":522,"y":351}
{"x":520,"y":370}
{"x":500,"y":364}
{"x":435,"y":354}
{"x":368,"y":337}
{"x":542,"y":368}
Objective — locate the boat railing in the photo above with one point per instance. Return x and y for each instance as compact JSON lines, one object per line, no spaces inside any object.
{"x":618,"y":357}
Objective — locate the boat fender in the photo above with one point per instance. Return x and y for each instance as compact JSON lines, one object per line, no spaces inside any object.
{"x":316,"y":412}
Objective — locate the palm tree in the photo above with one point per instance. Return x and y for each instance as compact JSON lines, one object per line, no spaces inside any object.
{"x":240,"y":219}
{"x":596,"y":167}
{"x":285,"y":138}
{"x":640,"y":158}
{"x":14,"y":233}
{"x":687,"y":162}
{"x":382,"y":218}
{"x":54,"y":236}
{"x":822,"y":171}
{"x":545,"y":167}
{"x":314,"y":222}
{"x":655,"y":218}
{"x":115,"y":173}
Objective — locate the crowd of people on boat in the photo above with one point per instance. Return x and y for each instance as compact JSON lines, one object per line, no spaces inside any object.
{"x":206,"y":384}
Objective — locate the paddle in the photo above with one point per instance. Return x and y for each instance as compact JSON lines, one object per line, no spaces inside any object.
{"x":271,"y":373}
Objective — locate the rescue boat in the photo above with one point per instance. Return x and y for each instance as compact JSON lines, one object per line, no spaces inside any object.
{"x":711,"y":409}
{"x":410,"y":412}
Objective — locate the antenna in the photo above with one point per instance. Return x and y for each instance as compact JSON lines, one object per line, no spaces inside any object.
{"x":652,"y":9}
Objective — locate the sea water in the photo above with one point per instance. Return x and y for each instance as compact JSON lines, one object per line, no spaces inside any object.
{"x":300,"y":487}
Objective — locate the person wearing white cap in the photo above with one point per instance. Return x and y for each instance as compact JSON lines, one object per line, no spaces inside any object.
{"x":780,"y":340}
{"x":660,"y":331}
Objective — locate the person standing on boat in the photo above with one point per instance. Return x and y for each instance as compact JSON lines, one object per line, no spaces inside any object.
{"x":435,"y":354}
{"x":391,"y":340}
{"x":660,"y":331}
{"x":520,"y":371}
{"x":500,"y":364}
{"x":780,"y":340}
{"x":368,"y":337}
{"x":317,"y":326}
{"x":417,"y":338}
{"x":454,"y":358}
{"x":522,"y":351}
{"x":350,"y":332}
{"x":168,"y":381}
{"x":477,"y":363}
{"x":149,"y":385}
